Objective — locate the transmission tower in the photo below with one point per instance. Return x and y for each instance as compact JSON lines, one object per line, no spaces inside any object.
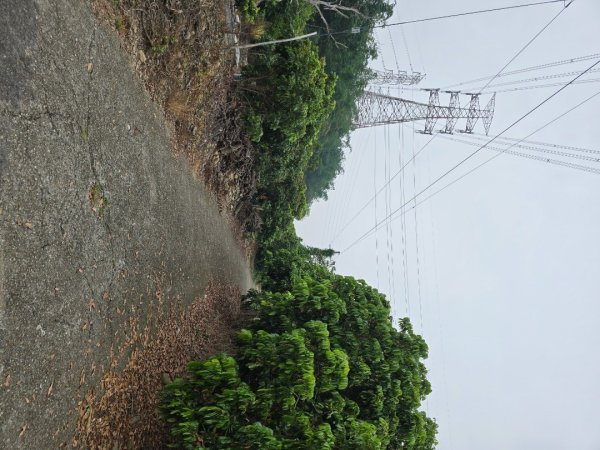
{"x":400,"y":77}
{"x":378,"y":109}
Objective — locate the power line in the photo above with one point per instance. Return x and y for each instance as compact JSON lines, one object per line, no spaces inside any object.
{"x":416,"y":37}
{"x":530,"y":156}
{"x":346,"y":193}
{"x":368,"y":202}
{"x":540,"y":78}
{"x":403,"y":226}
{"x":540,"y":86}
{"x":405,"y":48}
{"x":375,"y":210}
{"x":529,"y":69}
{"x":467,"y":13}
{"x":547,"y":124}
{"x":387,"y":206}
{"x":547,"y":144}
{"x":447,"y":16}
{"x":394,"y":50}
{"x":417,"y":231}
{"x":528,"y":113}
{"x":524,"y":47}
{"x":541,"y":150}
{"x":391,"y":229}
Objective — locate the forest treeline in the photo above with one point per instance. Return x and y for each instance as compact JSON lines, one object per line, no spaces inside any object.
{"x":301,"y":96}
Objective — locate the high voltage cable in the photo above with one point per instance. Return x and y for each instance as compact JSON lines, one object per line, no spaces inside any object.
{"x":487,"y":84}
{"x":387,"y":206}
{"x":460,"y":163}
{"x":380,"y":53}
{"x":354,"y":170}
{"x":542,"y":150}
{"x":547,"y":124}
{"x":529,"y":69}
{"x":405,"y":48}
{"x":524,"y":47}
{"x":522,"y":88}
{"x":391,"y":229}
{"x":403,"y":226}
{"x":436,"y":302}
{"x":416,"y":37}
{"x":394,"y":50}
{"x":547,"y":144}
{"x":540,"y":78}
{"x":447,"y":16}
{"x":375,"y":210}
{"x":417,"y":231}
{"x":530,"y":156}
{"x":380,"y":190}
{"x":539,"y":86}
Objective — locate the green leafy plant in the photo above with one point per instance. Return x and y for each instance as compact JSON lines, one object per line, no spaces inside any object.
{"x":320,"y":366}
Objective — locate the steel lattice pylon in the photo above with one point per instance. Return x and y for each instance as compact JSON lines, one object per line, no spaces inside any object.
{"x":379,"y":109}
{"x":397,"y":78}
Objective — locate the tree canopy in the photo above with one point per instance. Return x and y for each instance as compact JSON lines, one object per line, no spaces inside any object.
{"x":320,"y":366}
{"x":301,"y":97}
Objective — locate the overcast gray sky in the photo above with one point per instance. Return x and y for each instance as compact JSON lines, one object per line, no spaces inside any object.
{"x":508,"y":257}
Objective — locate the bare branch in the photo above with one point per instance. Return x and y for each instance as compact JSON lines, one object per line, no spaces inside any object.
{"x":335,"y":7}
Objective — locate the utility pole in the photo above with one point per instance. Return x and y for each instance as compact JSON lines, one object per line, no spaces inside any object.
{"x":278,"y":41}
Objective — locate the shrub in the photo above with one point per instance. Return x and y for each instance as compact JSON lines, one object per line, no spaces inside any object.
{"x":320,"y":366}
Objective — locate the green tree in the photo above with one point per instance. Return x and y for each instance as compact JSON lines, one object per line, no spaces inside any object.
{"x":320,"y":363}
{"x":289,"y":96}
{"x":347,"y":56}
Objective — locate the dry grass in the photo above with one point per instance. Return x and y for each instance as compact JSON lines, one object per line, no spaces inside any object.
{"x":178,"y":48}
{"x":178,"y":105}
{"x":256,"y":29}
{"x":124,"y":414}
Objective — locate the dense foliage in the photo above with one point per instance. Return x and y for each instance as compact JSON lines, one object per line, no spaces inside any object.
{"x":319,"y":364}
{"x":347,"y":58}
{"x":319,"y":367}
{"x":300,"y":98}
{"x":291,"y":95}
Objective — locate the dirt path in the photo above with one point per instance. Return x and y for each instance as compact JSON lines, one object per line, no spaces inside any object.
{"x":97,"y":219}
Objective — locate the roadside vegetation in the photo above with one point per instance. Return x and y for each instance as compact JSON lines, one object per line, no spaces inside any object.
{"x":301,"y":98}
{"x":319,"y":363}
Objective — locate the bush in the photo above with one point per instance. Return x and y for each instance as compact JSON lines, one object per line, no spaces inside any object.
{"x":320,"y":366}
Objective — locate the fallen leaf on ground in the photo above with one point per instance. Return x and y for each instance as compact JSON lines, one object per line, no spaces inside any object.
{"x":7,"y":381}
{"x":50,"y":389}
{"x":22,"y":432}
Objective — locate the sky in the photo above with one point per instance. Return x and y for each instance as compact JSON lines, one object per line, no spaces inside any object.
{"x":500,"y":272}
